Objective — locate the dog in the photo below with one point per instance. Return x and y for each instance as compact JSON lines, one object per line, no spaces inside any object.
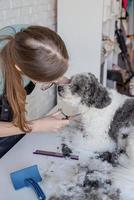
{"x":108,"y":122}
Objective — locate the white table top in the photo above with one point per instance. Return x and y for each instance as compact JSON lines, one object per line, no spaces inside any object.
{"x":21,"y":156}
{"x":55,"y":172}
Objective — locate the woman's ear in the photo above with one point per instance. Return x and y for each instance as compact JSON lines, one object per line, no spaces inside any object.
{"x":17,"y":68}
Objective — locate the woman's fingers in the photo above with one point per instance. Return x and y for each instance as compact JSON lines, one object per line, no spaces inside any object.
{"x":49,"y":124}
{"x":61,"y":124}
{"x":59,"y":115}
{"x":56,"y":113}
{"x":65,"y":122}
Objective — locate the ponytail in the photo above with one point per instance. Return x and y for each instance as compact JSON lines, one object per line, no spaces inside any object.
{"x":15,"y":91}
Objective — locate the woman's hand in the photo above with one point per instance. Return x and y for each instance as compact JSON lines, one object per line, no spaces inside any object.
{"x":51,"y":123}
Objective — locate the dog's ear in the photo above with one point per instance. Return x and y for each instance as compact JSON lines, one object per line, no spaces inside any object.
{"x":95,"y":94}
{"x":101,"y":97}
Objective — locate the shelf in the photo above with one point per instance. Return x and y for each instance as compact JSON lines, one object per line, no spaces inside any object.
{"x":111,"y":13}
{"x":114,"y":16}
{"x":111,"y":9}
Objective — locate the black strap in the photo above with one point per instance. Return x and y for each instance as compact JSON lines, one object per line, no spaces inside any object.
{"x":30,"y":87}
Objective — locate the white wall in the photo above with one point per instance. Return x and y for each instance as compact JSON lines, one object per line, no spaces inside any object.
{"x":80,"y":25}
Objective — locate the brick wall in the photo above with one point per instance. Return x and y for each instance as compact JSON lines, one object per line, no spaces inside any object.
{"x":41,"y":12}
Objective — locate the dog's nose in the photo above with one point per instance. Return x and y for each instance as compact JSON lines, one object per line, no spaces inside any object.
{"x":60,"y":88}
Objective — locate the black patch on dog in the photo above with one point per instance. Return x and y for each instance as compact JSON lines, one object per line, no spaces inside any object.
{"x":66,"y":150}
{"x":124,"y":136}
{"x":91,"y":183}
{"x":124,"y":117}
{"x":92,"y":93}
{"x":110,"y":157}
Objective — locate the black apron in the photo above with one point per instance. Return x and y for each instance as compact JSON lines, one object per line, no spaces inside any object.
{"x":6,"y":143}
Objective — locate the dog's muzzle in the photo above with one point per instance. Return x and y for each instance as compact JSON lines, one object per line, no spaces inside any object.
{"x":60,"y":90}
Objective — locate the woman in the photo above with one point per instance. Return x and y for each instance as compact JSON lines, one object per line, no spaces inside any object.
{"x":40,"y":54}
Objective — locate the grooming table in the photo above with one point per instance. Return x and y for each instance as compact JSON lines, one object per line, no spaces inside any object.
{"x":55,"y":172}
{"x":21,"y":156}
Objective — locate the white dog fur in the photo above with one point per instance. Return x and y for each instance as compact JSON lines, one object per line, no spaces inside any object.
{"x":108,"y":121}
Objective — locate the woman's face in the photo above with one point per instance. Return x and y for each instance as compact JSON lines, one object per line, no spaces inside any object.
{"x":47,"y":85}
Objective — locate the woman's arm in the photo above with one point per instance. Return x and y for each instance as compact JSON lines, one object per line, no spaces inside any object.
{"x":8,"y":129}
{"x":47,"y":124}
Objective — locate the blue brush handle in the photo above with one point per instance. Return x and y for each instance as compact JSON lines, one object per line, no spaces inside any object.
{"x":37,"y":189}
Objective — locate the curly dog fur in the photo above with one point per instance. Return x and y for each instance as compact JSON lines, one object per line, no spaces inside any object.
{"x":108,"y":121}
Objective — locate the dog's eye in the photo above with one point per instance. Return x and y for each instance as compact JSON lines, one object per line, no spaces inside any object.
{"x":75,"y":88}
{"x":86,"y":87}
